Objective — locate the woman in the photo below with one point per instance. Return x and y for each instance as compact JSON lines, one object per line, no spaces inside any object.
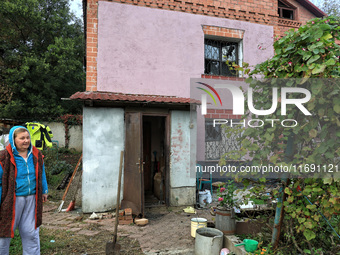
{"x":23,"y":189}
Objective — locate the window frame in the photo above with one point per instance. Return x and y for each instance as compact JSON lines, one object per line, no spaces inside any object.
{"x":286,"y":7}
{"x":217,"y":137}
{"x":221,"y":143}
{"x":222,"y":42}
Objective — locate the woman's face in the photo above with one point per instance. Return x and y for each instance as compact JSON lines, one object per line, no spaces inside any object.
{"x":22,"y":141}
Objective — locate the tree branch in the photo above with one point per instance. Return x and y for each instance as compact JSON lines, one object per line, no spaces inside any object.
{"x":290,"y":230}
{"x":310,"y":247}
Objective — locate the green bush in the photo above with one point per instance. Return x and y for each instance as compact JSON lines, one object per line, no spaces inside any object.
{"x":60,"y":166}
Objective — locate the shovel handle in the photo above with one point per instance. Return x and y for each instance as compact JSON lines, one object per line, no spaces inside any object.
{"x":239,"y":244}
{"x":118,"y":195}
{"x":74,"y":173}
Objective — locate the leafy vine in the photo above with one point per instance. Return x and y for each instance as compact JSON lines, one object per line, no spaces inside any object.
{"x":70,"y":120}
{"x":310,"y":56}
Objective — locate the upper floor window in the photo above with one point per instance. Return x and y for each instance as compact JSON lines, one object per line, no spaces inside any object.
{"x":216,"y":55}
{"x":286,"y":11}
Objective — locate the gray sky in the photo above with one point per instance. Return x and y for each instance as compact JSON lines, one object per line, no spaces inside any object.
{"x":76,"y":8}
{"x":318,"y":3}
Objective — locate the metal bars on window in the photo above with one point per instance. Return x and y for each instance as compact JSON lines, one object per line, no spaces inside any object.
{"x":216,"y":55}
{"x":218,"y":142}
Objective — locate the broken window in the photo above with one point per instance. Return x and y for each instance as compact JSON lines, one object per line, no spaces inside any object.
{"x":286,"y":11}
{"x":212,"y":133}
{"x":219,"y":56}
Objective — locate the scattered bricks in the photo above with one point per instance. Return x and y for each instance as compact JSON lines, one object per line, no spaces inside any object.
{"x":128,"y":211}
{"x":125,"y":216}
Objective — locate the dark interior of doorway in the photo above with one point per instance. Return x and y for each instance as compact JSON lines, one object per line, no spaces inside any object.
{"x":154,"y":158}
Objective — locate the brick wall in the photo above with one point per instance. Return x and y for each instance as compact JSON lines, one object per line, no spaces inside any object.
{"x":302,"y":16}
{"x":223,"y":32}
{"x":248,"y":10}
{"x":221,"y":114}
{"x":261,"y":12}
{"x":216,"y":77}
{"x":91,"y":44}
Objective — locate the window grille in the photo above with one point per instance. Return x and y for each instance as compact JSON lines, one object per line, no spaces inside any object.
{"x":216,"y":54}
{"x":217,"y":141}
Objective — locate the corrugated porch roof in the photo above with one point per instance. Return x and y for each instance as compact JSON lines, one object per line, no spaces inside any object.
{"x":131,"y":98}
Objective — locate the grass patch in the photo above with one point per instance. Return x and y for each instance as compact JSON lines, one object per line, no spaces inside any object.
{"x":15,"y":247}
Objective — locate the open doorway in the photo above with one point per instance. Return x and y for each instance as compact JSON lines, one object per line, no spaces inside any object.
{"x":154,"y":158}
{"x":146,"y":161}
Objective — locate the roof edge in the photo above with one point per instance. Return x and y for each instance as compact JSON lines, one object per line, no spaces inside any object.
{"x":312,"y":8}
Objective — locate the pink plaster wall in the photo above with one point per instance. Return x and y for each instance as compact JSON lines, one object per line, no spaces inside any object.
{"x":151,"y":51}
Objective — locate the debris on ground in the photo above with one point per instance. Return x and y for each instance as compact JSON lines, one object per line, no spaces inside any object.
{"x":189,"y":209}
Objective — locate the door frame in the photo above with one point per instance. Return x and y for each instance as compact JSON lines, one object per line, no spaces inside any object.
{"x":166,"y":151}
{"x":138,"y":208}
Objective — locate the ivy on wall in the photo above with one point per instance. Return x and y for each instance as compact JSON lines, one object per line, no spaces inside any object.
{"x":305,"y":58}
{"x":70,"y":120}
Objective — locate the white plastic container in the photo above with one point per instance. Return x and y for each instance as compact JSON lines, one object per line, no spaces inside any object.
{"x":202,"y":198}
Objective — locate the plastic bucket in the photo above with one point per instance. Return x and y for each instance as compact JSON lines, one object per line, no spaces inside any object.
{"x":202,"y":198}
{"x":197,"y":223}
{"x":208,"y":241}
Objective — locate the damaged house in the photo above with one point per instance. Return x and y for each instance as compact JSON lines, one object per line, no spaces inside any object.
{"x":140,"y":57}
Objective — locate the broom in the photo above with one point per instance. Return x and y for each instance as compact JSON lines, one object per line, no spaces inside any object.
{"x":73,"y":201}
{"x":68,"y":186}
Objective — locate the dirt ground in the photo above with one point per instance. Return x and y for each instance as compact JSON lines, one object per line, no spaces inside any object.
{"x":168,"y":230}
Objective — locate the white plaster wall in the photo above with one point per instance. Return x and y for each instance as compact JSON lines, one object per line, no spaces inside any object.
{"x":76,"y":135}
{"x":76,"y":138}
{"x":182,"y":150}
{"x":103,"y":129}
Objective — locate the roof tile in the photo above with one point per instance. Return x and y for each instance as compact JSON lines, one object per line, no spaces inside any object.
{"x":114,"y":96}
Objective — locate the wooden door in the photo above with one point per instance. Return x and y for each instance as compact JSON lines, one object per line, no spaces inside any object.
{"x":133,"y":196}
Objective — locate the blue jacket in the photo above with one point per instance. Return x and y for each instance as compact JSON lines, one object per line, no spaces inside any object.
{"x":26,"y":179}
